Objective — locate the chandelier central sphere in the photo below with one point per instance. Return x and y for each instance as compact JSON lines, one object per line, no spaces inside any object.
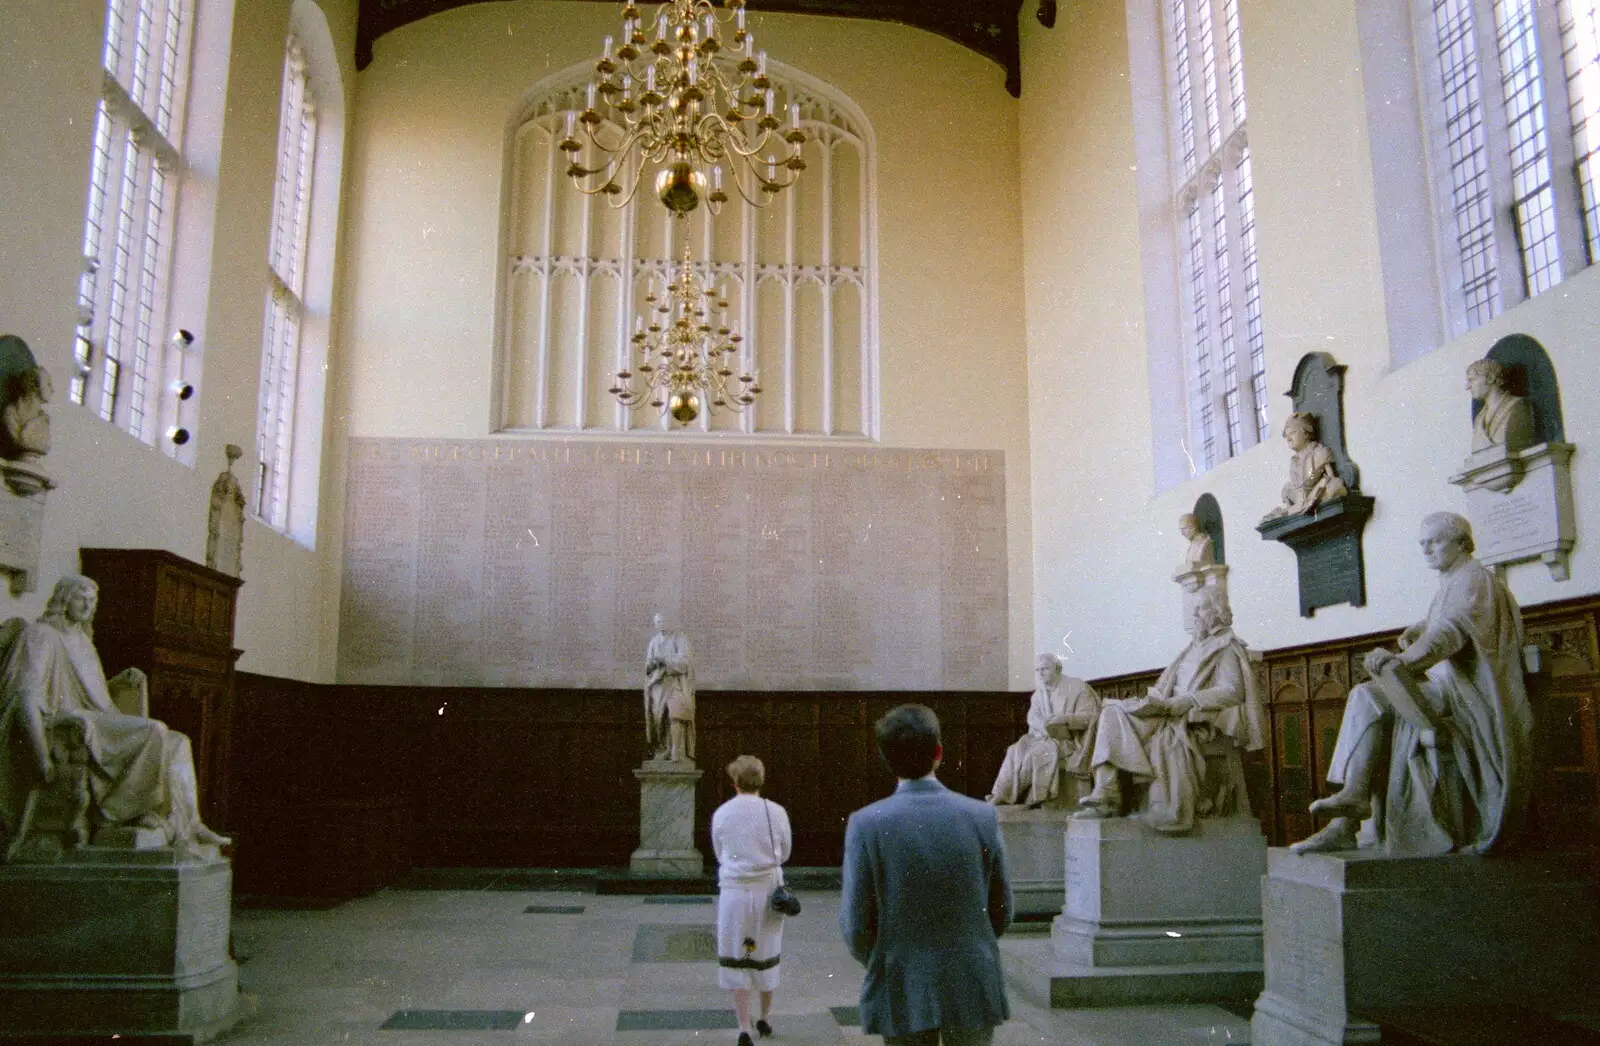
{"x":692,"y":100}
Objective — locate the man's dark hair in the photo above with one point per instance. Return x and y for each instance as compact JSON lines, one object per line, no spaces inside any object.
{"x":908,"y":740}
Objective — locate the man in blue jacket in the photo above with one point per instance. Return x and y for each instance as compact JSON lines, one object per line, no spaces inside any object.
{"x":925,"y":898}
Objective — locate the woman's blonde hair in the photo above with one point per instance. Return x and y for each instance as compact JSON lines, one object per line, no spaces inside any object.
{"x":748,"y":773}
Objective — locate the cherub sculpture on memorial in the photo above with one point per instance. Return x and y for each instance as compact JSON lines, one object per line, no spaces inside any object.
{"x":1313,"y":476}
{"x":80,"y":759}
{"x":1447,"y":715}
{"x":1204,"y":708}
{"x":669,"y":695}
{"x":1061,"y":718}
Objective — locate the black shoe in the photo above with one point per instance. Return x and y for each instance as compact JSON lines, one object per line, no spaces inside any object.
{"x":763,"y":1029}
{"x":745,"y":1039}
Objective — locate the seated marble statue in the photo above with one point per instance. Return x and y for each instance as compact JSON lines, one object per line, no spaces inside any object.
{"x":1447,"y":715}
{"x":1208,"y":694}
{"x":1313,"y":479}
{"x":140,"y":773}
{"x":1061,"y":720}
{"x":1505,"y":421}
{"x":1200,"y":552}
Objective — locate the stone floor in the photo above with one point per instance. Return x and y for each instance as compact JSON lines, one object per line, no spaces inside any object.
{"x":455,"y":967}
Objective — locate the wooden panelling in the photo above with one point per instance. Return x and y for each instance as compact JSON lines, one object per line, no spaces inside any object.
{"x":173,"y":620}
{"x":516,"y":777}
{"x":545,"y":777}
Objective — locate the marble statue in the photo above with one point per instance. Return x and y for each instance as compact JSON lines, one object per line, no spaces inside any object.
{"x":669,"y":695}
{"x":140,"y":773}
{"x":1505,"y":421}
{"x":1061,"y":721}
{"x":1200,"y":552}
{"x":1313,"y":479}
{"x":23,"y":421}
{"x":1207,"y":695}
{"x":225,"y":522}
{"x":1448,"y":715}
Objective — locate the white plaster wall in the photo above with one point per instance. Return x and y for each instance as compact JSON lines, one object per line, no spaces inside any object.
{"x":1105,"y":541}
{"x":115,"y":491}
{"x":422,"y":230}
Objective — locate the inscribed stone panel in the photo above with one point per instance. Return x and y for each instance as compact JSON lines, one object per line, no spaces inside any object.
{"x":538,"y":563}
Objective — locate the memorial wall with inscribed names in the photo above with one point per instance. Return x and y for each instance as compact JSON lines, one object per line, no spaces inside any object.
{"x":495,"y":562}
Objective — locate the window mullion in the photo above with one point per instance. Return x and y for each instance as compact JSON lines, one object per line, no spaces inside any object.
{"x":1564,"y":184}
{"x":1491,"y":93}
{"x":1232,"y":222}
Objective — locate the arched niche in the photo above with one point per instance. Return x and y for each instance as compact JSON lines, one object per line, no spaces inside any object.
{"x":1530,"y":374}
{"x":1208,"y":514}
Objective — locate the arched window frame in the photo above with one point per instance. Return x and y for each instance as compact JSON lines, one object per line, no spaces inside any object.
{"x":300,"y":255}
{"x":149,"y":221}
{"x":1206,"y":341}
{"x":826,"y":113}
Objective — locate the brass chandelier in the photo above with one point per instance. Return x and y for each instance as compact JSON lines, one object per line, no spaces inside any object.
{"x":688,"y":95}
{"x":681,"y":362}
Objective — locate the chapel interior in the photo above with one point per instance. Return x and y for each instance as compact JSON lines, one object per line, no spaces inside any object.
{"x":1051,"y":275}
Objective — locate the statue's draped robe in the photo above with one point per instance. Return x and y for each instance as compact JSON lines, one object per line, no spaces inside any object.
{"x":1031,"y":772}
{"x":138,"y":768}
{"x":1470,"y":791}
{"x":668,"y":688}
{"x":1164,"y":751}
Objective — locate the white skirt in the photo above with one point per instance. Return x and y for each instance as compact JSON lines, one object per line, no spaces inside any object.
{"x":749,"y":938}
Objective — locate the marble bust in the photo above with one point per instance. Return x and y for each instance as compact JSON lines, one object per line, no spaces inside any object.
{"x":140,"y":773}
{"x":1207,"y":695}
{"x":669,"y":695}
{"x":1199,"y":552}
{"x":1061,"y":718}
{"x":1313,"y":479}
{"x":1505,"y":421}
{"x":23,"y":420}
{"x":1447,"y":716}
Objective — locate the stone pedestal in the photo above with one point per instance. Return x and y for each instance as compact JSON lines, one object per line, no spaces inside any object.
{"x":116,"y":943}
{"x":1520,"y":505}
{"x":666,"y":820}
{"x":1327,"y":550}
{"x":1035,"y":843}
{"x":1350,"y":936}
{"x":1152,"y":918}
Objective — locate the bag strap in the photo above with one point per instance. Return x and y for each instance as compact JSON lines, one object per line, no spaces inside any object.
{"x":774,"y":839}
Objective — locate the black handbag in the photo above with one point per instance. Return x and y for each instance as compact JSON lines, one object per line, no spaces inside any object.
{"x":784,"y":902}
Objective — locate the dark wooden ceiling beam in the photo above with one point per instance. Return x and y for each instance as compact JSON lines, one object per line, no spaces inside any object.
{"x":988,"y":27}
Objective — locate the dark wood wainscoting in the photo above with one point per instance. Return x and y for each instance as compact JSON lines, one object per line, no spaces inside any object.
{"x":339,"y":788}
{"x":1305,"y":689}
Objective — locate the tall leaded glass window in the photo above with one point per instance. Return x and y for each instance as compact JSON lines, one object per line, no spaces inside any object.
{"x":126,"y":368}
{"x":286,"y":290}
{"x":1225,"y":357}
{"x":1515,"y":88}
{"x":799,"y":273}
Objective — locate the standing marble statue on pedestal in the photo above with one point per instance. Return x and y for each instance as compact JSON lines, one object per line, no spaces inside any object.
{"x":225,"y":523}
{"x":1205,"y":699}
{"x":669,"y":695}
{"x":1061,"y":721}
{"x":1447,"y":714}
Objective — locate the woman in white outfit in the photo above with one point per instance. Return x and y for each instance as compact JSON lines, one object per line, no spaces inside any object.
{"x":750,"y":837}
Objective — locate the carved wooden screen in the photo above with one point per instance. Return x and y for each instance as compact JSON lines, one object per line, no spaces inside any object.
{"x":799,"y":272}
